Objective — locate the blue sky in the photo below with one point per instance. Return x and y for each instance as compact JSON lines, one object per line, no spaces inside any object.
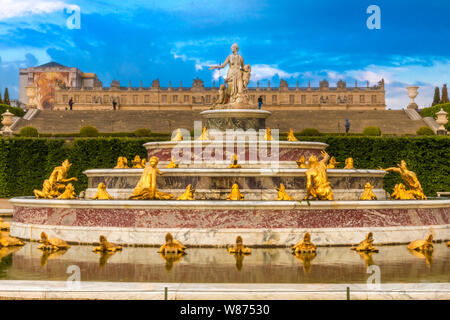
{"x":176,"y":40}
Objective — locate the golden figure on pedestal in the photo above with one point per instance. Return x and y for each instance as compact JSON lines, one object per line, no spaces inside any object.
{"x":282,"y":195}
{"x":332,"y":164}
{"x":234,"y":162}
{"x":52,"y":244}
{"x":56,"y":182}
{"x":4,"y":226}
{"x":239,"y":247}
{"x":122,"y":163}
{"x":138,"y":163}
{"x":69,"y":193}
{"x":400,"y":193}
{"x":366,"y":245}
{"x":235,"y":194}
{"x":305,"y":245}
{"x":172,"y":164}
{"x":188,"y":193}
{"x":102,"y":194}
{"x":171,"y":246}
{"x":205,"y":135}
{"x":8,"y":241}
{"x":410,"y":179}
{"x":301,"y":163}
{"x":178,"y":136}
{"x":368,"y":193}
{"x":106,"y":246}
{"x":291,"y":136}
{"x":146,"y":187}
{"x":349,"y":163}
{"x":317,"y":184}
{"x":268,"y":134}
{"x":422,"y":245}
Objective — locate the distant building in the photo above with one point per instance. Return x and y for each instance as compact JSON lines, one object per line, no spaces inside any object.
{"x":51,"y":86}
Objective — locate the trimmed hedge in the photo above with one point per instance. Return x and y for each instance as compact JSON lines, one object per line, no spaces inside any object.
{"x":18,"y":112}
{"x":371,"y":131}
{"x":26,"y":162}
{"x":28,"y":132}
{"x":431,"y":111}
{"x":89,"y":131}
{"x":309,"y":132}
{"x":425,"y":131}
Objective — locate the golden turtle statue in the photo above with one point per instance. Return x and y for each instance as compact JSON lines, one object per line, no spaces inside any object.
{"x":239,"y":248}
{"x":366,"y":245}
{"x":106,"y":246}
{"x":188,"y":193}
{"x":282,"y":195}
{"x":4,"y":226}
{"x":102,"y":194}
{"x":422,"y":245}
{"x":235,"y":194}
{"x":52,"y":244}
{"x":171,"y":246}
{"x":8,"y":241}
{"x":305,"y":245}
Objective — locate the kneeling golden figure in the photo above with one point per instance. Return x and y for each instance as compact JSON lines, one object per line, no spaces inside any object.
{"x":188,"y":193}
{"x":349,"y":163}
{"x":106,"y":246}
{"x":138,"y":163}
{"x":268,"y":135}
{"x":291,"y":136}
{"x":171,"y":246}
{"x":52,"y":244}
{"x":102,"y":194}
{"x":366,"y":245}
{"x":410,"y":180}
{"x":239,"y":247}
{"x":368,"y":193}
{"x":234,"y":163}
{"x":422,"y":245}
{"x":178,"y":136}
{"x":282,"y":195}
{"x":122,"y":163}
{"x":301,"y":163}
{"x":317,"y":184}
{"x":69,"y":193}
{"x":332,"y":164}
{"x":400,"y":193}
{"x":235,"y":194}
{"x":305,"y":245}
{"x":172,"y":164}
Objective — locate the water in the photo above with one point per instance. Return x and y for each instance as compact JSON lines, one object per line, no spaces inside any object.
{"x":215,"y":265}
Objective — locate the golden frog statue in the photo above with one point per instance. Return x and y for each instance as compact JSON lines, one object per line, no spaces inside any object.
{"x":368,"y":193}
{"x":239,"y":247}
{"x":422,"y":245}
{"x":172,"y":164}
{"x":301,"y":163}
{"x":106,"y":246}
{"x":4,"y":226}
{"x":332,"y":164}
{"x":205,"y":135}
{"x":305,"y":245}
{"x":291,"y":136}
{"x":366,"y":245}
{"x":188,"y":193}
{"x":69,"y":193}
{"x":52,"y":244}
{"x":317,"y":184}
{"x":171,"y":246}
{"x":282,"y":195}
{"x":410,"y":179}
{"x":138,"y":163}
{"x":400,"y":193}
{"x":235,"y":193}
{"x":146,"y":187}
{"x":8,"y":241}
{"x":122,"y":163}
{"x":268,"y":135}
{"x":349,"y":163}
{"x":178,"y":136}
{"x":102,"y":194}
{"x":57,"y":181}
{"x":234,"y":162}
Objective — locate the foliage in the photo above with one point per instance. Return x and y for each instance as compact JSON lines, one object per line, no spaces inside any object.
{"x":309,"y":132}
{"x":18,"y":112}
{"x":425,"y":131}
{"x":28,"y":132}
{"x":6,"y":97}
{"x":89,"y":131}
{"x":371,"y":131}
{"x":436,"y":97}
{"x":431,"y":111}
{"x":444,"y":98}
{"x":143,"y":133}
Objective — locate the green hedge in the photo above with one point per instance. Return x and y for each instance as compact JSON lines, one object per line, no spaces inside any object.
{"x":26,"y":162}
{"x":18,"y":112}
{"x":431,"y":111}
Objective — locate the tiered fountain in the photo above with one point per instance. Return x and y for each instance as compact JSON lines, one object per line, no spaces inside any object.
{"x":211,"y":220}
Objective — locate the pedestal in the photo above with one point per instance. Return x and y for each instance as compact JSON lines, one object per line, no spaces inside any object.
{"x":244,"y":119}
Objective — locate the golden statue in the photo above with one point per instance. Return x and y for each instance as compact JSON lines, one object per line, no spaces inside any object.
{"x":291,"y":136}
{"x":205,"y":135}
{"x":52,"y":244}
{"x":57,"y":181}
{"x":106,"y":246}
{"x":267,"y":135}
{"x":305,"y":245}
{"x":234,"y":162}
{"x":4,"y":226}
{"x":122,"y":163}
{"x":301,"y":163}
{"x":69,"y":193}
{"x":305,"y":259}
{"x":235,"y":194}
{"x":349,"y":163}
{"x":49,"y":255}
{"x":422,"y":245}
{"x":188,"y":193}
{"x":172,"y":164}
{"x":8,"y":241}
{"x":410,"y":179}
{"x":49,"y":190}
{"x":366,"y":245}
{"x":239,"y":247}
{"x":102,"y":194}
{"x":178,"y":136}
{"x":317,"y":184}
{"x":332,"y":164}
{"x":171,"y":246}
{"x":400,"y":193}
{"x":282,"y":195}
{"x":138,"y":162}
{"x":146,"y":187}
{"x":171,"y":259}
{"x":368,"y":193}
{"x":448,"y":244}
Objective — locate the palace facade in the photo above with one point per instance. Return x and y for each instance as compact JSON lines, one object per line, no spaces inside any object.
{"x":52,"y":85}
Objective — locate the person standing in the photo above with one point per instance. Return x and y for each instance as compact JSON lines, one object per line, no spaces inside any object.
{"x":260,"y":102}
{"x":347,"y":125}
{"x":70,"y":103}
{"x":114,"y":102}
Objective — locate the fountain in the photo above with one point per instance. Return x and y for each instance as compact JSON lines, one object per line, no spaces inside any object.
{"x":138,"y":206}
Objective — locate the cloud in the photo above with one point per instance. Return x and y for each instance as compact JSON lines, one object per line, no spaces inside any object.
{"x":265,"y":71}
{"x":21,"y":8}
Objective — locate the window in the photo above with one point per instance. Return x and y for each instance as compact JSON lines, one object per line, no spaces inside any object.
{"x":303,"y":101}
{"x":208,"y":99}
{"x":291,"y":99}
{"x":135,"y":98}
{"x":315,"y":99}
{"x":274,"y":99}
{"x":123,"y":99}
{"x":186,"y":99}
{"x":65,"y":98}
{"x":105,"y":98}
{"x":88,"y":99}
{"x":361,"y":98}
{"x":252,"y":98}
{"x":164,"y":98}
{"x":175,"y":98}
{"x":350,"y":98}
{"x":146,"y":98}
{"x":374,"y":98}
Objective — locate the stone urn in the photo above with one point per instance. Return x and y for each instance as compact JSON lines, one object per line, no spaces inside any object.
{"x":412,"y":94}
{"x":7,"y":122}
{"x":441,"y":120}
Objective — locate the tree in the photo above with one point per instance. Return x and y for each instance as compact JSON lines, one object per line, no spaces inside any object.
{"x":6,"y":98}
{"x":444,"y":94}
{"x":1,"y":101}
{"x":437,"y":97}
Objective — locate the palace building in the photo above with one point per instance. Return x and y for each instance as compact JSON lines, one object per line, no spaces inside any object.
{"x":51,"y":86}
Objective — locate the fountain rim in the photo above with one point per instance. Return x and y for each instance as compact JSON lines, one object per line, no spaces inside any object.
{"x":280,"y":143}
{"x":236,"y":113}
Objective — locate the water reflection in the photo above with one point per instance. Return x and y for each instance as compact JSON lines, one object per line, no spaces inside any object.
{"x":305,"y":259}
{"x":427,"y":255}
{"x":46,"y":255}
{"x":171,"y":258}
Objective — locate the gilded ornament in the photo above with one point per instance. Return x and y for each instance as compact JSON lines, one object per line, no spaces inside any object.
{"x":332,"y":164}
{"x":138,"y":163}
{"x":122,"y":163}
{"x":317,"y":184}
{"x":102,"y":194}
{"x":282,"y":195}
{"x":234,"y":162}
{"x":188,"y":193}
{"x":301,"y":163}
{"x":69,"y":193}
{"x":366,"y":245}
{"x":106,"y":246}
{"x":368,"y":193}
{"x":171,"y":246}
{"x":410,"y":179}
{"x":422,"y":245}
{"x":349,"y":163}
{"x":291,"y":136}
{"x":305,"y":245}
{"x":239,"y":247}
{"x":235,"y":194}
{"x":52,"y":244}
{"x":172,"y":164}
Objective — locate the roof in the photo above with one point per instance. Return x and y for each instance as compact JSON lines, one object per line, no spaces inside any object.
{"x":51,"y":65}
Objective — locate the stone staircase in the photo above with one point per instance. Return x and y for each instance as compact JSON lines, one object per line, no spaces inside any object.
{"x":331,"y":121}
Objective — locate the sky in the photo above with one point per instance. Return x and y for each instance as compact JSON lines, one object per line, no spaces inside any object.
{"x":176,"y":40}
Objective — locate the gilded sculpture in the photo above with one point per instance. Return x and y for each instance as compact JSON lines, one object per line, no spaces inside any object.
{"x":366,"y":245}
{"x":205,"y":135}
{"x":410,"y":179}
{"x":291,"y":136}
{"x":106,"y":246}
{"x":4,"y":226}
{"x":332,"y":164}
{"x":422,"y":245}
{"x":268,"y":135}
{"x":317,"y":184}
{"x":52,"y":244}
{"x":178,"y":136}
{"x":69,"y":193}
{"x":102,"y":194}
{"x":234,"y":162}
{"x":138,"y":163}
{"x":171,"y":246}
{"x":235,"y":194}
{"x":188,"y":193}
{"x":400,"y":193}
{"x":301,"y":163}
{"x":56,"y":182}
{"x":349,"y":163}
{"x":368,"y":193}
{"x":122,"y":163}
{"x":146,"y":187}
{"x":305,"y":259}
{"x":239,"y":248}
{"x":282,"y":195}
{"x":8,"y":241}
{"x":172,"y":164}
{"x":305,"y":245}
